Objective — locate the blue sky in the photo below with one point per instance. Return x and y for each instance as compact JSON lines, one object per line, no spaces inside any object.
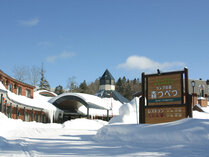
{"x":82,"y":38}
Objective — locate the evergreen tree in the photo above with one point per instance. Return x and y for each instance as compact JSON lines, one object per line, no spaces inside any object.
{"x":128,"y":92}
{"x":83,"y":87}
{"x":119,"y":85}
{"x":59,"y":90}
{"x":93,"y":87}
{"x":44,"y":84}
{"x":127,"y":87}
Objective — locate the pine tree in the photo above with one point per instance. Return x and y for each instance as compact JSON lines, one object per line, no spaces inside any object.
{"x":44,"y":84}
{"x":83,"y":87}
{"x":59,"y":90}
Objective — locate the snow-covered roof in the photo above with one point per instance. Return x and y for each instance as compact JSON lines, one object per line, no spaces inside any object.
{"x":92,"y":100}
{"x":38,"y":95}
{"x":39,"y":102}
{"x":115,"y":95}
{"x":2,"y":87}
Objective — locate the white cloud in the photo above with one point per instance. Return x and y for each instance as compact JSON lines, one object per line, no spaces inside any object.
{"x":66,"y":54}
{"x":63,"y":55}
{"x":30,"y":22}
{"x":51,"y":59}
{"x":146,"y":64}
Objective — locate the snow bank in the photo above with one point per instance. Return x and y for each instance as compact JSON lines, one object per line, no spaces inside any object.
{"x":84,"y":124}
{"x":128,"y":113}
{"x":113,"y":104}
{"x":200,"y":115}
{"x":3,"y":116}
{"x":18,"y":128}
{"x":182,"y":131}
{"x":8,"y":124}
{"x":124,"y":128}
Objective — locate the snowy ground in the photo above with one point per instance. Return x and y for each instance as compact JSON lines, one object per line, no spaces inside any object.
{"x":121,"y":137}
{"x":187,"y":137}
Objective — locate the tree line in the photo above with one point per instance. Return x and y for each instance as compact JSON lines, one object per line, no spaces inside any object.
{"x":36,"y":77}
{"x":124,"y":86}
{"x":31,"y":75}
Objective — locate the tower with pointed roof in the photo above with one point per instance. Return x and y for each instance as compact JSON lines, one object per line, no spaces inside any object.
{"x":107,"y":81}
{"x":107,"y":88}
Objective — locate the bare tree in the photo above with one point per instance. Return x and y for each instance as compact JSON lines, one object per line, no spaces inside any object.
{"x":20,"y":73}
{"x":34,"y":75}
{"x":27,"y":74}
{"x":71,"y":84}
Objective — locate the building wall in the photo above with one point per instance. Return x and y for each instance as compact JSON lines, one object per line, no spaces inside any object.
{"x":199,"y":92}
{"x":23,"y":113}
{"x":107,"y":87}
{"x":7,"y":80}
{"x":17,"y":110}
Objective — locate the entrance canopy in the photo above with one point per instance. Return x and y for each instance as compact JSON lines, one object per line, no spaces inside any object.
{"x":71,"y":102}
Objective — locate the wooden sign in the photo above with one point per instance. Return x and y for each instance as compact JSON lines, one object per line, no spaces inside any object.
{"x":165,"y":89}
{"x":164,"y":114}
{"x":165,"y":97}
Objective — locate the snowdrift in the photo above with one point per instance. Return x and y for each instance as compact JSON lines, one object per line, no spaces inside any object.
{"x":16,"y":127}
{"x":84,"y":124}
{"x":178,"y":132}
{"x":128,"y":113}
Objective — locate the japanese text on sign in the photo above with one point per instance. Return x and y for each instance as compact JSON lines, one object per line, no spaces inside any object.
{"x":164,"y":89}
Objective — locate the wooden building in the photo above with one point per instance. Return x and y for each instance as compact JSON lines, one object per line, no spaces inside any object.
{"x":16,"y":86}
{"x":23,"y":109}
{"x":200,"y":91}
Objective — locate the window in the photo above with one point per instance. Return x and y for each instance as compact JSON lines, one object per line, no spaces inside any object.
{"x":112,"y":82}
{"x":39,"y":118}
{"x":202,"y":90}
{"x":27,"y":93}
{"x":19,"y":91}
{"x":27,"y":117}
{"x":107,"y":81}
{"x":10,"y":86}
{"x":9,"y":111}
{"x":36,"y":117}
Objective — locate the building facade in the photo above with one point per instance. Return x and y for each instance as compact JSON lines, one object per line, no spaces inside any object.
{"x":16,"y":86}
{"x":107,"y":81}
{"x":199,"y":89}
{"x":107,"y":88}
{"x":26,"y":107}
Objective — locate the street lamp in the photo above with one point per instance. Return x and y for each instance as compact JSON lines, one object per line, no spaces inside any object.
{"x":193,"y":85}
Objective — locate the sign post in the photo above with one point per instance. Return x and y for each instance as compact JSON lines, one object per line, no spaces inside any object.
{"x":166,"y":96}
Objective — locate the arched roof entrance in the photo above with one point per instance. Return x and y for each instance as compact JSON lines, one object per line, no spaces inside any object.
{"x":71,"y":102}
